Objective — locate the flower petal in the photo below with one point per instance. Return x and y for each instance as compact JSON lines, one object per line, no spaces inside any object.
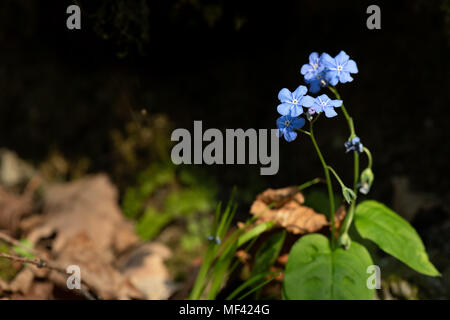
{"x":307,"y":101}
{"x":329,"y":112}
{"x":280,"y":122}
{"x":332,"y":77}
{"x":305,"y":69}
{"x":290,"y":135}
{"x":280,"y":132}
{"x":345,"y":77}
{"x":296,"y":110}
{"x":297,"y":123}
{"x":317,"y":106}
{"x":285,"y":95}
{"x":342,"y":58}
{"x":313,"y":58}
{"x":327,"y":60}
{"x":299,"y":92}
{"x":335,"y":103}
{"x":284,"y":109}
{"x":314,"y":86}
{"x":323,"y":97}
{"x":351,"y":67}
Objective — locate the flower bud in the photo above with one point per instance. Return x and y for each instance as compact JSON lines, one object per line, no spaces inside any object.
{"x":344,"y":241}
{"x":348,"y":194}
{"x":366,"y":178}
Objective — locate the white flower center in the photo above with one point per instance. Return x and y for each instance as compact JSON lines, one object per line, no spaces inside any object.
{"x":287,"y":123}
{"x":294,"y":101}
{"x":323,"y":103}
{"x":339,"y":68}
{"x":315,"y":65}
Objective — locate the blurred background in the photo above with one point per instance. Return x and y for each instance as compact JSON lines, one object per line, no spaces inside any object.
{"x":93,"y":109}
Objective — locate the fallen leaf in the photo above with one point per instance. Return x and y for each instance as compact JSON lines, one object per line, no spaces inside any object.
{"x":86,"y":206}
{"x":22,"y":281}
{"x":144,"y":268}
{"x":284,"y":207}
{"x":89,"y":231}
{"x":12,"y":208}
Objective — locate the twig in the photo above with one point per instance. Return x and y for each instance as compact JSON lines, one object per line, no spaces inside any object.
{"x":39,"y":262}
{"x":14,"y":242}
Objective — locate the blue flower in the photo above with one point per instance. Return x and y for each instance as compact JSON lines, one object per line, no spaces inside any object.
{"x":338,"y":69}
{"x":286,"y":126}
{"x":313,"y":68}
{"x":325,"y":104}
{"x":354,"y":145}
{"x":317,"y":83}
{"x":292,"y":102}
{"x":314,"y":73}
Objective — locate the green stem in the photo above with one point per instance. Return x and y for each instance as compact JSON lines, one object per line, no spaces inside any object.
{"x":308,"y":184}
{"x":329,"y":185}
{"x":349,"y":217}
{"x":344,"y":110}
{"x":303,"y":131}
{"x":351,"y":211}
{"x":369,"y":157}
{"x":337,"y":177}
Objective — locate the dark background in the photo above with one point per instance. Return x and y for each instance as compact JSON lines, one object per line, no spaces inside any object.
{"x":223,"y":62}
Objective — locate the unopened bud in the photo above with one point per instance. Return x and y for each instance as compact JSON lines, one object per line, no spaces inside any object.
{"x":366,"y":178}
{"x":348,"y":194}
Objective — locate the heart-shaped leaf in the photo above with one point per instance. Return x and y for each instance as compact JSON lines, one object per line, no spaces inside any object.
{"x":393,"y":234}
{"x":316,"y":272}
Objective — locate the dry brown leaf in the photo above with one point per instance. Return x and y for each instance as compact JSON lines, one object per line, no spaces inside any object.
{"x":40,"y":291}
{"x":87,"y":206}
{"x":96,"y":269}
{"x":284,"y":207}
{"x":22,"y":281}
{"x":283,"y":259}
{"x":12,"y":208}
{"x":90,"y":231}
{"x":144,"y":268}
{"x":339,"y":216}
{"x":243,"y":256}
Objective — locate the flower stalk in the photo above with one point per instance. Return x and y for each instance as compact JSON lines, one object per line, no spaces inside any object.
{"x":328,"y":180}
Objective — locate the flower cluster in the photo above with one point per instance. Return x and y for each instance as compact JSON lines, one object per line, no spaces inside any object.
{"x":319,"y":72}
{"x":323,"y":70}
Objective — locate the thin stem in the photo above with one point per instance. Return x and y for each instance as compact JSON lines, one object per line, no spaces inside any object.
{"x":336,"y":176}
{"x":369,"y":157}
{"x":329,"y":185}
{"x":349,"y":217}
{"x":309,"y":184}
{"x":355,"y":170}
{"x":303,"y":131}
{"x":344,"y":110}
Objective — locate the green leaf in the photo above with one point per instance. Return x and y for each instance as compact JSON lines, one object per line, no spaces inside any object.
{"x":151,"y":223}
{"x":315,"y":272}
{"x":22,"y":251}
{"x":393,"y":234}
{"x":254,"y":232}
{"x":268,"y":253}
